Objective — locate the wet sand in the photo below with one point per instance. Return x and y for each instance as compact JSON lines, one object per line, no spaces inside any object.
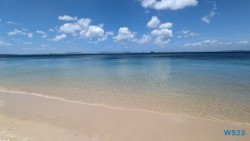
{"x":25,"y":117}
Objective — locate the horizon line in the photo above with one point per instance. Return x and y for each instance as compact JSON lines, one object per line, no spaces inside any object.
{"x":123,"y":52}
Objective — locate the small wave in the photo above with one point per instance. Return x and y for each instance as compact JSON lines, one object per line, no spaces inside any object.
{"x":211,"y":118}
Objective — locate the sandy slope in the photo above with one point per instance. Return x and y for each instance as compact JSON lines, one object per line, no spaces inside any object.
{"x":35,"y":118}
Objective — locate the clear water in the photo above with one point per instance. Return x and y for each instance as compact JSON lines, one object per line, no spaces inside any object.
{"x":207,"y":85}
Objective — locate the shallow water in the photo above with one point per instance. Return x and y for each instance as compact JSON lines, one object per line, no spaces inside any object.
{"x":207,"y":85}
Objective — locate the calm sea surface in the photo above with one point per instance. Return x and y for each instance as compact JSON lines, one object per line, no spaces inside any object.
{"x":207,"y":85}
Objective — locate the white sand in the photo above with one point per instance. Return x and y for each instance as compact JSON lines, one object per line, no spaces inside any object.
{"x":35,"y":118}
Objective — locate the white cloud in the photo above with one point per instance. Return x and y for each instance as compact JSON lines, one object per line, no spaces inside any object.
{"x":107,"y":34}
{"x":20,"y":32}
{"x":244,"y":42}
{"x":3,"y":43}
{"x":96,"y":32}
{"x":162,"y":36}
{"x":144,"y":39}
{"x":43,"y":34}
{"x":162,"y":32}
{"x":161,"y":40}
{"x":124,"y":34}
{"x":207,"y":43}
{"x":166,"y":25}
{"x":40,"y":32}
{"x":154,"y":22}
{"x":211,"y":14}
{"x":73,"y":28}
{"x":15,"y":32}
{"x":59,"y":37}
{"x":84,"y":22}
{"x":67,"y":18}
{"x":70,"y":28}
{"x":147,"y":3}
{"x":13,"y":23}
{"x":159,"y":32}
{"x":85,"y":30}
{"x":186,"y":33}
{"x":92,"y":31}
{"x":168,"y":4}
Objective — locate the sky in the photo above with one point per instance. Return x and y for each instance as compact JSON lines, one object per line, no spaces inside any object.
{"x":92,"y":26}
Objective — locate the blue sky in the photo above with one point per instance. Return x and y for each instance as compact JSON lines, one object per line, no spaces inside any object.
{"x":45,"y":26}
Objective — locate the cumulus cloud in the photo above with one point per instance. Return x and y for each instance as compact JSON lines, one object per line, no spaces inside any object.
{"x":207,"y":43}
{"x":166,"y":25}
{"x":3,"y":43}
{"x":162,"y":36}
{"x":168,"y":4}
{"x":161,"y":33}
{"x":59,"y":37}
{"x":42,"y":33}
{"x":154,"y":22}
{"x":124,"y":34}
{"x":92,"y":31}
{"x":107,"y":34}
{"x":211,"y":14}
{"x":20,"y":32}
{"x":73,"y":28}
{"x":144,"y":39}
{"x":186,"y":33}
{"x":85,"y":30}
{"x":67,"y":18}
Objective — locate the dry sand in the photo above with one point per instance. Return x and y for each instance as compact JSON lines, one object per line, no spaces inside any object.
{"x":25,"y":117}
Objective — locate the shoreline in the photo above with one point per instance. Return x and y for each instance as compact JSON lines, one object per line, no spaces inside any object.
{"x":2,"y":90}
{"x":29,"y":117}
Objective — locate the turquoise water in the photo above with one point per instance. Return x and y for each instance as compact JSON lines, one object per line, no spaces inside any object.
{"x":207,"y":85}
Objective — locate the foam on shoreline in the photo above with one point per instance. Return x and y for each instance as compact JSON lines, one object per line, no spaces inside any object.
{"x":35,"y":117}
{"x":119,"y":108}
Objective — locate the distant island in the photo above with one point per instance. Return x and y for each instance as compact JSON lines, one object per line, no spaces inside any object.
{"x":127,"y":52}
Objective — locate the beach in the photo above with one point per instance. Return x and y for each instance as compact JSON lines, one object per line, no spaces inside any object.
{"x":125,"y":97}
{"x":124,"y":70}
{"x":25,"y":117}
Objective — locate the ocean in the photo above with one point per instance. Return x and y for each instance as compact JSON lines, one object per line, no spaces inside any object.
{"x":204,"y":85}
